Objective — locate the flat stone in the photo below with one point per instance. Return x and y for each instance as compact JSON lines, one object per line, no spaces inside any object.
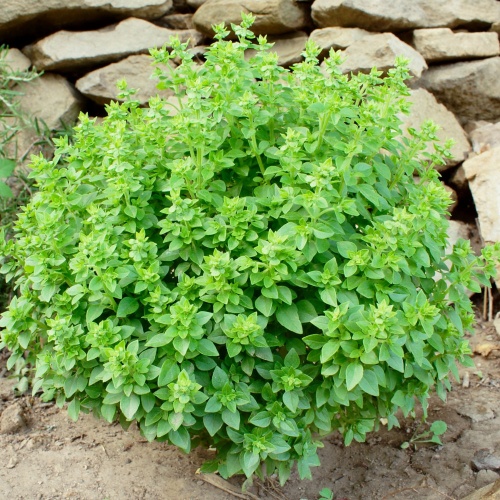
{"x":476,"y":411}
{"x":485,"y":136}
{"x":12,"y":419}
{"x":31,"y":17}
{"x":288,"y":47}
{"x":17,"y":61}
{"x":337,"y":38}
{"x":195,"y":4}
{"x":272,"y":17}
{"x":51,"y":99}
{"x":381,"y":52}
{"x":100,"y":85}
{"x":485,"y":459}
{"x":471,"y":90}
{"x":76,"y":50}
{"x":442,"y":44}
{"x":425,"y":106}
{"x":376,"y":15}
{"x":485,"y":477}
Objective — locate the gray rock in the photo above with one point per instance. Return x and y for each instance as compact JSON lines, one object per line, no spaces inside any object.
{"x":485,"y":459}
{"x":176,"y":21}
{"x":380,"y":52}
{"x":485,"y":136}
{"x":425,"y":107}
{"x":337,"y":38}
{"x":17,"y":61}
{"x":100,"y":85}
{"x":483,"y":172}
{"x":12,"y":419}
{"x":26,"y":17}
{"x":377,"y":15}
{"x":288,"y":47}
{"x":273,"y":17}
{"x":469,"y":89}
{"x":72,"y":50}
{"x":442,"y":44}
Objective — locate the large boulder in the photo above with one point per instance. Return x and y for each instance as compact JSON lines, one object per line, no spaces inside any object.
{"x":76,"y":50}
{"x":272,"y":17}
{"x":425,"y":106}
{"x":337,"y":38}
{"x":483,"y":174}
{"x":442,"y":44}
{"x":51,"y":99}
{"x":21,"y":18}
{"x":469,"y":89}
{"x":381,"y":52}
{"x":378,"y":15}
{"x":100,"y":85}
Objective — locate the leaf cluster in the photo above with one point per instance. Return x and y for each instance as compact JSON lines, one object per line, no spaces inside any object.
{"x":250,"y":268}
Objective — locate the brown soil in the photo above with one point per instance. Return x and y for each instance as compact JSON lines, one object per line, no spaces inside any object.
{"x":47,"y":456}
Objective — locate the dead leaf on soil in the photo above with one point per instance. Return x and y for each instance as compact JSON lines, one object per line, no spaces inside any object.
{"x":485,"y":348}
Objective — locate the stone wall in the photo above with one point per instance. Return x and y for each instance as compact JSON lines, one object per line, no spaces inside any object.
{"x":85,"y":46}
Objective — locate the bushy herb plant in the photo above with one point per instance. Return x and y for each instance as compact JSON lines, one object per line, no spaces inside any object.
{"x":251,"y":270}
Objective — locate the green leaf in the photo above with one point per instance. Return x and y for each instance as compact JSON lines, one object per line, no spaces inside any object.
{"x":264,"y":305}
{"x":108,"y":412}
{"x":439,"y":427}
{"x":329,"y":350}
{"x":213,"y":423}
{"x":291,"y":401}
{"x":231,"y":419}
{"x":74,"y":409}
{"x":6,"y":167}
{"x":288,"y":316}
{"x":127,"y":307}
{"x":345,"y":248}
{"x":353,"y":375}
{"x":219,"y":378}
{"x":315,"y":341}
{"x":261,"y":419}
{"x":129,"y":405}
{"x":292,"y":359}
{"x":93,"y":312}
{"x":180,"y":438}
{"x":169,"y":372}
{"x":369,"y":383}
{"x":207,"y":348}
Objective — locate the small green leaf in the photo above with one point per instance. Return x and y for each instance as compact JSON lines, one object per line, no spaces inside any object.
{"x":288,"y":316}
{"x":353,"y":374}
{"x":127,"y":307}
{"x":264,"y":305}
{"x":439,"y":427}
{"x":129,"y":405}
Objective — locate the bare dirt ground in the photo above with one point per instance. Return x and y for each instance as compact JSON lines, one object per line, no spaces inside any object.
{"x":44,"y":455}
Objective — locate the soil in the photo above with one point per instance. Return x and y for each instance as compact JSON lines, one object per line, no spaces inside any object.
{"x":44,"y":455}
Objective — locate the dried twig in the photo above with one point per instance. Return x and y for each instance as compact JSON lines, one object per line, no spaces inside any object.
{"x":223,"y":485}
